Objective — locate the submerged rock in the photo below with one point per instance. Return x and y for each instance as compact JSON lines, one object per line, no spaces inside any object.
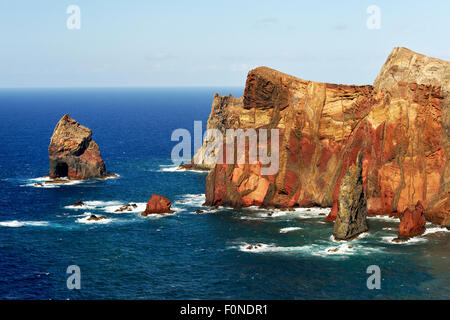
{"x":95,"y":218}
{"x":127,"y":207}
{"x":78,"y":204}
{"x":412,"y":223}
{"x":352,"y":214}
{"x":157,"y":204}
{"x":72,"y":152}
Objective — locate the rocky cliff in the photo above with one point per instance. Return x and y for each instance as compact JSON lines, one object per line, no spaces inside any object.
{"x":73,"y":153}
{"x":400,"y":125}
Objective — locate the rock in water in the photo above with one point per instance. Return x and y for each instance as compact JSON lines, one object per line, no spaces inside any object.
{"x":78,"y":204}
{"x":73,"y":153}
{"x":157,"y":204}
{"x":412,"y":223}
{"x":352,"y":214}
{"x":93,"y":217}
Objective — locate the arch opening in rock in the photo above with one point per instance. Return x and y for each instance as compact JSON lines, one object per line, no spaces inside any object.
{"x":62,"y":170}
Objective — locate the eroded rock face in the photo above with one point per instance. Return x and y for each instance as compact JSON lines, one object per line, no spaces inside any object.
{"x":412,"y":223}
{"x":222,"y":117}
{"x":400,"y":127}
{"x":157,"y":205}
{"x":409,"y":66}
{"x":73,"y":153}
{"x":352,"y":215}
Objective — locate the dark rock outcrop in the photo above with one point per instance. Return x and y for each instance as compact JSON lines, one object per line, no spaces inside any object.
{"x":412,"y":223}
{"x":78,"y":204}
{"x":95,"y":218}
{"x":72,"y":152}
{"x":401,"y":125}
{"x":157,"y":205}
{"x":127,"y":207}
{"x":352,"y":215}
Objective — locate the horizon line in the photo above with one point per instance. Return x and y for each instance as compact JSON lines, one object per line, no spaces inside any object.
{"x":122,"y":87}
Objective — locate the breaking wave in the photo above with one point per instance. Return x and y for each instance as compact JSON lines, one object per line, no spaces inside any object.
{"x":413,"y":240}
{"x":384,"y":218}
{"x":319,"y":250}
{"x":297,"y":213}
{"x":47,"y":183}
{"x":176,"y":168}
{"x":289,"y":229}
{"x":435,"y":230}
{"x":17,"y":224}
{"x":191,"y":200}
{"x":86,"y":220}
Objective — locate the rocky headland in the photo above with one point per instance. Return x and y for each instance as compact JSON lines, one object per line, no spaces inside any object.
{"x":400,"y":126}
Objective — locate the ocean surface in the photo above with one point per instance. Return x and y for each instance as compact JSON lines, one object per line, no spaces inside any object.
{"x":184,"y":255}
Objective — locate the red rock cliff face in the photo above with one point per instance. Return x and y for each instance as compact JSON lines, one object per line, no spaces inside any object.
{"x":401,"y":128}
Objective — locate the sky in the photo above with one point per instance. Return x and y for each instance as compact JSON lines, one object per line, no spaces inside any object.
{"x":125,"y":43}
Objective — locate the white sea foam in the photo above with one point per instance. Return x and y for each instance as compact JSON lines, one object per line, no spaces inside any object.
{"x":44,"y":182}
{"x":95,"y":205}
{"x":176,"y":168}
{"x":38,"y":185}
{"x":320,"y":250}
{"x":360,"y":236}
{"x":274,"y":214}
{"x":41,"y":179}
{"x":435,"y":230}
{"x":158,"y":215}
{"x":410,"y":241}
{"x":262,"y":247}
{"x":109,"y":206}
{"x":289,"y":229}
{"x":16,"y":224}
{"x":87,"y":216}
{"x":384,"y":218}
{"x":113,"y":176}
{"x":192,"y":200}
{"x":140,"y":207}
{"x":307,"y":213}
{"x":303,"y":213}
{"x":343,"y":249}
{"x":170,"y":168}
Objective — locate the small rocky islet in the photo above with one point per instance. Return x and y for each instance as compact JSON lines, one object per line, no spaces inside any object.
{"x":361,"y":150}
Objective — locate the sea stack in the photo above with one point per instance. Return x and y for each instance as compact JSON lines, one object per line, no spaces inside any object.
{"x":412,"y":223}
{"x":72,"y":152}
{"x":352,"y":214}
{"x":157,"y":205}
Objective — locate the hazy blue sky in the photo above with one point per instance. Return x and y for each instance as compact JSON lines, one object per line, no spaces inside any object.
{"x":209,"y":43}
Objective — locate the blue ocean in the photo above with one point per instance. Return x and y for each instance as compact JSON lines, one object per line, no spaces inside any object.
{"x":184,"y":255}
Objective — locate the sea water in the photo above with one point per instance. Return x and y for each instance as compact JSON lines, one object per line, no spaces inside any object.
{"x":221,"y":254}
